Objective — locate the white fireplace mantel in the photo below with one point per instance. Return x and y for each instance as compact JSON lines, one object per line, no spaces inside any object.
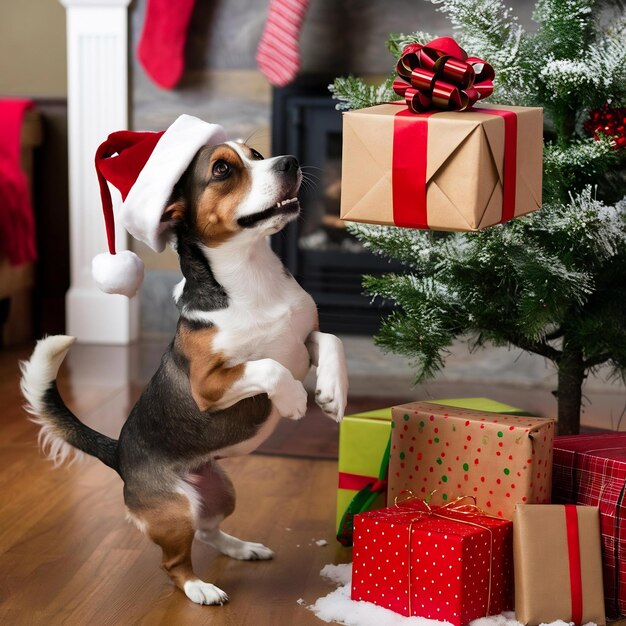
{"x":97,"y":66}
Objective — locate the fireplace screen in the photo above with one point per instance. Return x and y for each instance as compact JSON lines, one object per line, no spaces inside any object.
{"x":317,"y":249}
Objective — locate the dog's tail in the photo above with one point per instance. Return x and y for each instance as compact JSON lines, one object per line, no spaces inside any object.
{"x":62,"y":436}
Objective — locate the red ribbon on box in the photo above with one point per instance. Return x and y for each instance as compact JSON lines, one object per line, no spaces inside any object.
{"x":440,"y":75}
{"x":410,"y":160}
{"x":573,"y":552}
{"x":356,"y":482}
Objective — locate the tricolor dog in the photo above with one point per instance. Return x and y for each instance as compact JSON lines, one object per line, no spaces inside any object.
{"x":246,"y":337}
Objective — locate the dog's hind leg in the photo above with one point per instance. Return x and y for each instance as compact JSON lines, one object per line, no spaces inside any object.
{"x":169,"y":521}
{"x":218,"y":502}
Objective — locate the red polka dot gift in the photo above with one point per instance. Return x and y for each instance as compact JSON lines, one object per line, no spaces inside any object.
{"x":500,"y":459}
{"x":451,"y":563}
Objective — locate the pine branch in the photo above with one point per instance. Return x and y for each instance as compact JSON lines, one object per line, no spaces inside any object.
{"x":355,"y":93}
{"x":555,"y":334}
{"x":537,"y":347}
{"x":397,"y":41}
{"x":594,"y":361}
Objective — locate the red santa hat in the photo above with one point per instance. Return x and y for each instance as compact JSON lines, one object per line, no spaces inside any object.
{"x":144,"y":167}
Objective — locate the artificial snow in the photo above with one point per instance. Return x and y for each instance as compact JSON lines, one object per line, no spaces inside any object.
{"x":321,"y":543}
{"x":337,"y":607}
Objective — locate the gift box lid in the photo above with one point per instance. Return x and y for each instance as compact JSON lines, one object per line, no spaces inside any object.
{"x":440,"y":520}
{"x":467,"y":416}
{"x":478,"y":404}
{"x":611,"y":446}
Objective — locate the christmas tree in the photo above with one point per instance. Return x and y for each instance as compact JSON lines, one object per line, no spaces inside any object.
{"x":554,"y":282}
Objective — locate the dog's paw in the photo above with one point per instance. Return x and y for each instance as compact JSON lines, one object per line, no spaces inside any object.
{"x":290,"y":398}
{"x":204,"y":593}
{"x":249,"y":551}
{"x":331,"y":392}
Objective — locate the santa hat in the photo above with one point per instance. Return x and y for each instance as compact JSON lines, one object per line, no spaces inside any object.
{"x":144,"y":167}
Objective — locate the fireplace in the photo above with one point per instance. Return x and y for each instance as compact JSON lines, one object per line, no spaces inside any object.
{"x":317,"y":249}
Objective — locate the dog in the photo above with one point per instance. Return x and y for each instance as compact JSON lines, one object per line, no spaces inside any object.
{"x":245,"y":339}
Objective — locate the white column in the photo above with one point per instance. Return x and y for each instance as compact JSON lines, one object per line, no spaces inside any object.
{"x":97,"y":66}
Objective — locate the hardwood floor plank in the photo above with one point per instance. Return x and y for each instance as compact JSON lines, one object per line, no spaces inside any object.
{"x":67,"y":555}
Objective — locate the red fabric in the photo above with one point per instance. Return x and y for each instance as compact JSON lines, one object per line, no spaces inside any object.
{"x":278,"y":54}
{"x":17,"y":222}
{"x":410,"y":162}
{"x":590,"y":470}
{"x":433,"y":567}
{"x":133,"y":149}
{"x":575,"y":573}
{"x":161,"y":48}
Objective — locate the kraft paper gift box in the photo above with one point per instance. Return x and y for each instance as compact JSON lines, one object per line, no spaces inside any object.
{"x":500,"y":459}
{"x":363,"y":439}
{"x":590,"y":469}
{"x":457,"y":171}
{"x":558,"y":566}
{"x":440,"y":565}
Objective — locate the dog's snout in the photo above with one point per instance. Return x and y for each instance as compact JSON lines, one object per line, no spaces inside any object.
{"x":287,"y":164}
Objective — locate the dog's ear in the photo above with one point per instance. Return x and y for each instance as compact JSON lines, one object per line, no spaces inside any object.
{"x":174,"y":212}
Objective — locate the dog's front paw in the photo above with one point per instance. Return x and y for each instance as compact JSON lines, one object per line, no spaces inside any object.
{"x":331,"y":393}
{"x":290,"y":398}
{"x":204,"y":593}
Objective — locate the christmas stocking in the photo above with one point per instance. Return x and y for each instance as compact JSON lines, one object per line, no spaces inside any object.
{"x":278,"y":54}
{"x":161,"y":48}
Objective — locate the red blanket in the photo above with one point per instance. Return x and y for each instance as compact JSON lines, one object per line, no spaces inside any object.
{"x":17,"y":223}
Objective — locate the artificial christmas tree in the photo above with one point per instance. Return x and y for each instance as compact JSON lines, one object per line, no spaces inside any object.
{"x":552,"y":283}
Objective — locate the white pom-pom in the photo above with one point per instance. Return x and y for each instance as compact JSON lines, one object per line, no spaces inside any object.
{"x":118,"y":273}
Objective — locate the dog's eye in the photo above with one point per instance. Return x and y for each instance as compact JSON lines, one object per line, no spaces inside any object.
{"x":257,"y":155}
{"x":221,"y":169}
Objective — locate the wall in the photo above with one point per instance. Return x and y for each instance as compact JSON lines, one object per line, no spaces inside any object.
{"x":32,"y":48}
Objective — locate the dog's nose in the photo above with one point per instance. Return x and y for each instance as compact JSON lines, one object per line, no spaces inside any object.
{"x":286,"y":164}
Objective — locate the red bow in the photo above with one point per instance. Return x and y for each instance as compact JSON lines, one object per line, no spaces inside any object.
{"x":440,"y":75}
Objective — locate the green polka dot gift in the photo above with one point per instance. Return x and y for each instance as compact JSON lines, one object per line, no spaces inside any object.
{"x":500,"y":459}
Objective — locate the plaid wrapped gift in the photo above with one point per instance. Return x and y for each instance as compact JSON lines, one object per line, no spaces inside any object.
{"x":590,"y":469}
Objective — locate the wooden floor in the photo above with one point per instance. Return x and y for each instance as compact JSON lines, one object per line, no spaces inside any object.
{"x":67,"y":556}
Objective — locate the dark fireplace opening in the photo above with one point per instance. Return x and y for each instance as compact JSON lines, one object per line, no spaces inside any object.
{"x":317,"y":249}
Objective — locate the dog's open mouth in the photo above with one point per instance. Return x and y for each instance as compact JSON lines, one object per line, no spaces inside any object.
{"x":285,"y":207}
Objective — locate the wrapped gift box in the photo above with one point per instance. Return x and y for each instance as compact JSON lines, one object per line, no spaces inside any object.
{"x":558,"y":566}
{"x":458,"y":171}
{"x":363,"y":439}
{"x":454,"y":567}
{"x":590,"y":470}
{"x":500,"y":459}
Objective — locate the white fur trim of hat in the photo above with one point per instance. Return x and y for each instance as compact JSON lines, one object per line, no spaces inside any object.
{"x":122,"y":272}
{"x":142,"y":210}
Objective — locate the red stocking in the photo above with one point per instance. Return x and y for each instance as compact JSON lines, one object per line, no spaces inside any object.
{"x":278,"y":54}
{"x":161,"y":48}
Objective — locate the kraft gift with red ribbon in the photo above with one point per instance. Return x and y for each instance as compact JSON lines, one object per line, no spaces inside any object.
{"x":451,"y":563}
{"x":441,"y":170}
{"x":590,"y":469}
{"x":439,"y":159}
{"x":558,"y":564}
